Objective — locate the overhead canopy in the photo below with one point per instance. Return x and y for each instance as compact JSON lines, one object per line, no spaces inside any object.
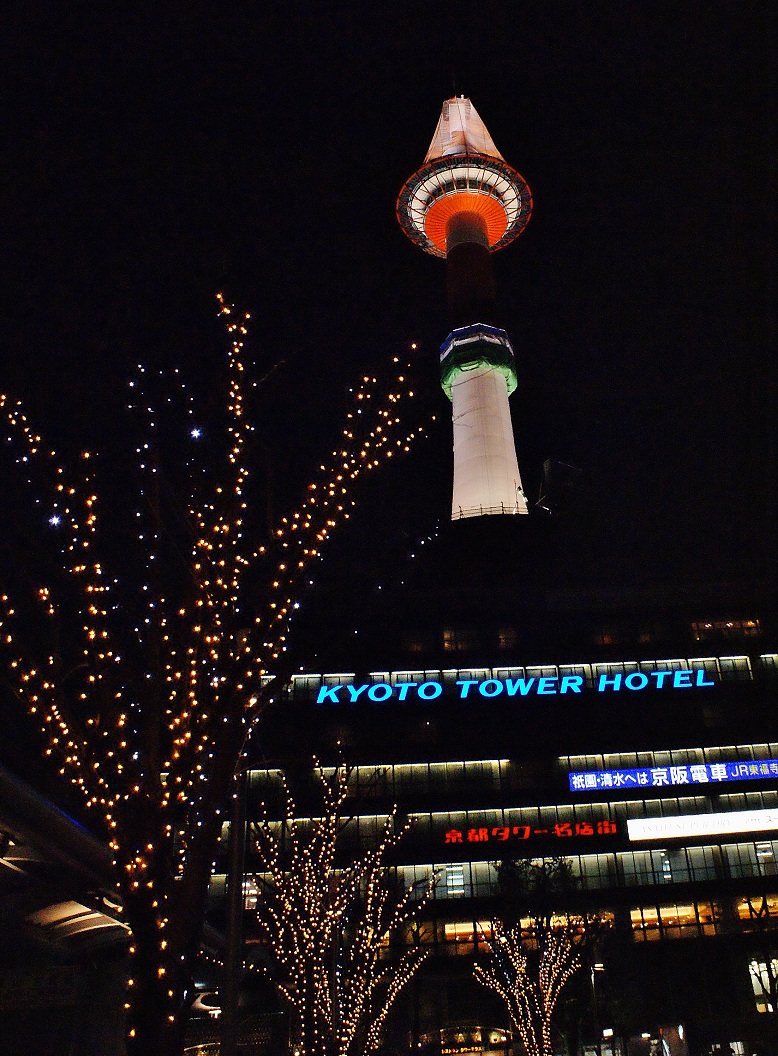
{"x":460,"y":131}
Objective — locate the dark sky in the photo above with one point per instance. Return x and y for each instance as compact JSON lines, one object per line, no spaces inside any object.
{"x":158,"y":153}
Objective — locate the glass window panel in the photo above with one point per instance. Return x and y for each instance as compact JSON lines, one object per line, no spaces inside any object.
{"x":645,"y":924}
{"x":454,"y":879}
{"x":701,"y":863}
{"x":755,"y":910}
{"x":708,"y":913}
{"x":509,"y":672}
{"x":735,"y":668}
{"x":767,"y":857}
{"x":595,"y":870}
{"x":768,"y":663}
{"x":763,"y":978}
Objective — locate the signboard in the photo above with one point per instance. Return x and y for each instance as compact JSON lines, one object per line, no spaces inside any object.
{"x":532,"y":686}
{"x":731,"y":823}
{"x":665,"y":776}
{"x":515,"y":833}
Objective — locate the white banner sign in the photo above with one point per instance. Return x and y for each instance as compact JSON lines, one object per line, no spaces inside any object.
{"x":730,"y":823}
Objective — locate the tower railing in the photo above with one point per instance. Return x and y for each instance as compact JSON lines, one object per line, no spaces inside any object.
{"x":484,"y":511}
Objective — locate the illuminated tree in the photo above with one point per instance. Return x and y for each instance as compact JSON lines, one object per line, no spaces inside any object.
{"x":529,"y":969}
{"x":146,"y":678}
{"x":328,"y":924}
{"x":539,"y":945}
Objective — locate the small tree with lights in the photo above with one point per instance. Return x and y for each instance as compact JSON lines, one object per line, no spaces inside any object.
{"x":328,"y":924}
{"x":529,"y":968}
{"x":146,"y":682}
{"x":538,"y":947}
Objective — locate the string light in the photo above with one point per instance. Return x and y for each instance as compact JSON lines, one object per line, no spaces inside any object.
{"x":148,"y":717}
{"x":327,"y":925}
{"x":531,"y":980}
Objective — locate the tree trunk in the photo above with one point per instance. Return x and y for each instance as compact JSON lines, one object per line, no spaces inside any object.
{"x":160,"y":981}
{"x":166,"y":916}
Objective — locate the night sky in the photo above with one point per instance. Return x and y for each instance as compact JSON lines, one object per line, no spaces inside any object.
{"x":158,"y":153}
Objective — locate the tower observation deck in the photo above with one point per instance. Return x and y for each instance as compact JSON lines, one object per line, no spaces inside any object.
{"x":463,"y":204}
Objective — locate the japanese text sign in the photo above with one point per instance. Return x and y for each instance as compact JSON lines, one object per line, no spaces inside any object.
{"x":658,"y":776}
{"x":514,"y":833}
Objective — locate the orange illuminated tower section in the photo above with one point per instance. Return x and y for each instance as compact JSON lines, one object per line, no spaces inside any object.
{"x":463,"y":204}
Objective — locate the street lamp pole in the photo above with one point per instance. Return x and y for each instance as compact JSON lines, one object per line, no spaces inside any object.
{"x":596,"y":967}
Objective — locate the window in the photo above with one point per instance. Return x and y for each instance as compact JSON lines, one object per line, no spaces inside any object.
{"x":705,"y":630}
{"x":583,"y":671}
{"x":455,"y":881}
{"x":735,"y":668}
{"x":764,"y":982}
{"x":676,"y":921}
{"x":607,"y":636}
{"x":595,"y":870}
{"x":758,"y":911}
{"x":483,"y":879}
{"x":702,"y":863}
{"x":546,"y":671}
{"x":645,"y":924}
{"x":752,"y":859}
{"x":250,"y":893}
{"x":463,"y":937}
{"x":768,"y":662}
{"x":305,"y":686}
{"x":415,"y":878}
{"x":765,"y":856}
{"x":459,"y":640}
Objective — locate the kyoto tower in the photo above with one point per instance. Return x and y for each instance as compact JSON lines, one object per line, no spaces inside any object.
{"x":463,"y":204}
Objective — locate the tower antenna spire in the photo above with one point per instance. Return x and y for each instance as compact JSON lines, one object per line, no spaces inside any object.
{"x":463,"y":204}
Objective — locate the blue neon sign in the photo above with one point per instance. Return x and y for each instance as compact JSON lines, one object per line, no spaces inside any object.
{"x":665,"y":776}
{"x":472,"y":688}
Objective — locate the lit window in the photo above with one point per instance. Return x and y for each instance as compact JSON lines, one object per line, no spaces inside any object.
{"x":645,"y":924}
{"x":757,"y":909}
{"x":250,"y":893}
{"x":650,"y":923}
{"x":455,"y":881}
{"x":465,"y":935}
{"x":704,"y":630}
{"x":764,"y":981}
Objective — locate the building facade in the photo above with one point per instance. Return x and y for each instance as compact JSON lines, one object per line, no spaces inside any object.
{"x":654,"y":779}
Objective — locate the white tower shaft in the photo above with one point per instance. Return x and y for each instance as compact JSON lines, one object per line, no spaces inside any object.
{"x":486,"y":470}
{"x":478,"y":373}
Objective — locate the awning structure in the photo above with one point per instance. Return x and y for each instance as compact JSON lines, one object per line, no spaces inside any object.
{"x":58,"y":890}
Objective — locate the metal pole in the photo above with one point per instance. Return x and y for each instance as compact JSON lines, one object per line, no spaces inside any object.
{"x":233,"y":957}
{"x":596,"y":1012}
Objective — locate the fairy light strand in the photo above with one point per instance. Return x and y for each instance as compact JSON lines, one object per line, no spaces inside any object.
{"x":530,"y":981}
{"x":165,"y":672}
{"x":328,"y":924}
